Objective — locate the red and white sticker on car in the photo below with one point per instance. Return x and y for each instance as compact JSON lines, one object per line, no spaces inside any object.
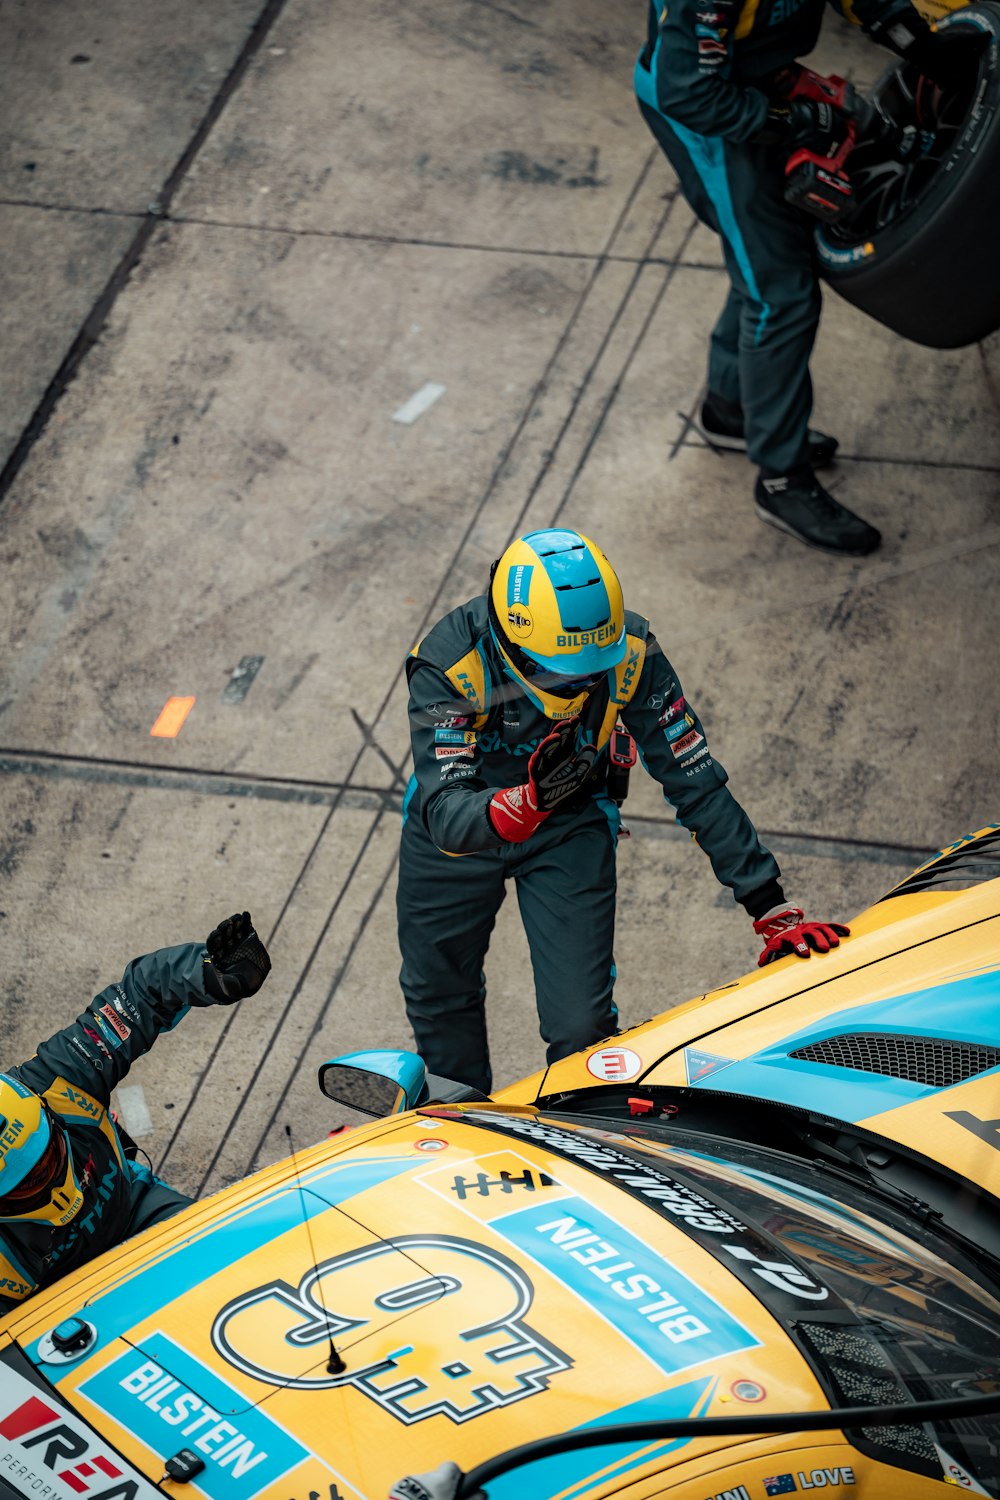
{"x":48,"y":1451}
{"x":615,"y":1064}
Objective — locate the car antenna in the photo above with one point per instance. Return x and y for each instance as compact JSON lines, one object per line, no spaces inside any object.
{"x":335,"y":1365}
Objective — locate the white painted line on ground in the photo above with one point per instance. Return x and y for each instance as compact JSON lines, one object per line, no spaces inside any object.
{"x":418,"y":404}
{"x":134,"y":1110}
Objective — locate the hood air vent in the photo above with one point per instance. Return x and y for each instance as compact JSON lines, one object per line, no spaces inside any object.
{"x":930,"y":1060}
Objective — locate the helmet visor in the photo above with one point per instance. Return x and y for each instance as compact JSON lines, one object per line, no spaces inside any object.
{"x":35,"y":1190}
{"x":547,"y":681}
{"x":566,"y":687}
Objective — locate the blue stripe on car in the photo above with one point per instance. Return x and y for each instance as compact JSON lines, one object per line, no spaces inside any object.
{"x":240,"y":1232}
{"x":572,"y":1475}
{"x":246,"y":1450}
{"x":962,"y":1010}
{"x":671,"y":1319}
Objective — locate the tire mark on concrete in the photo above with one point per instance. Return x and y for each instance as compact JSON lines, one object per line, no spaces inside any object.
{"x":432,"y":606}
{"x":612,"y":394}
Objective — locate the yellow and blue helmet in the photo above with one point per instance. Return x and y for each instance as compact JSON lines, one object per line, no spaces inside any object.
{"x":37,"y":1178}
{"x":558,"y":618}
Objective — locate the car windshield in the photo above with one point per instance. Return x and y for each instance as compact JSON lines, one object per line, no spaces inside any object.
{"x":884,"y":1306}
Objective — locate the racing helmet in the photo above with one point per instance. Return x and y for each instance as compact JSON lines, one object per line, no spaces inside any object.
{"x":37,"y":1177}
{"x":557,"y":616}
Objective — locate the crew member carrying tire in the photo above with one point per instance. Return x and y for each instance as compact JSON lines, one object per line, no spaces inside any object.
{"x":706,"y":86}
{"x":68,"y":1188}
{"x":913,"y":249}
{"x":514,"y":699}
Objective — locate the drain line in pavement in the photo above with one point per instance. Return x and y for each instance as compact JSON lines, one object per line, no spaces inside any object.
{"x":93,"y":325}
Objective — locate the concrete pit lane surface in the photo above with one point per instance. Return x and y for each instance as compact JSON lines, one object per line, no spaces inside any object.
{"x":310,"y":308}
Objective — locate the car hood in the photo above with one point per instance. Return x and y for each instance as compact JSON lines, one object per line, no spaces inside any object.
{"x":480,"y":1288}
{"x":895,"y":1031}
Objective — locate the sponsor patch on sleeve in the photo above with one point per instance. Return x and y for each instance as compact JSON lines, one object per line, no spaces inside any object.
{"x":115,"y":1021}
{"x":454,"y":737}
{"x":105,"y":1031}
{"x":672,"y":712}
{"x":686,"y":744}
{"x":674,"y":731}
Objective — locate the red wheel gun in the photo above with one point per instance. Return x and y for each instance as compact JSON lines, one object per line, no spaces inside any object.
{"x":816,"y":182}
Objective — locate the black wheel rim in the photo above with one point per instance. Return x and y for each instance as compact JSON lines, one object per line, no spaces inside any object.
{"x":915,"y":128}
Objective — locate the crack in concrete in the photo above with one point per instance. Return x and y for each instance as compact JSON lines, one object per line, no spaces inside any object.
{"x":203,"y":781}
{"x":852,"y":458}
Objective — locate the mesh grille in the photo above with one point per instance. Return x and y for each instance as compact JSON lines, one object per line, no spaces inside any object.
{"x":862,"y":1375}
{"x":929,"y":1060}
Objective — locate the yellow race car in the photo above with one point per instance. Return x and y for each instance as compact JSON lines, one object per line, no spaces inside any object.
{"x":748,"y":1249}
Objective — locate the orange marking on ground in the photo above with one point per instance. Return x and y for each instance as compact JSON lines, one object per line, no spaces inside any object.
{"x":171,"y":717}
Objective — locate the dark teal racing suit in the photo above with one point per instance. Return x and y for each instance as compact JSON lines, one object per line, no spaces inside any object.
{"x":473,"y":726}
{"x":702,"y":83}
{"x":75,"y":1072}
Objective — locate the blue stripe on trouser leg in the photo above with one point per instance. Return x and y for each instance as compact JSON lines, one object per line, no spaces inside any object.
{"x":708,"y":154}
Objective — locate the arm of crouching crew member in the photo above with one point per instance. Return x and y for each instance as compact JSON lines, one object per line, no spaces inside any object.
{"x":674,"y":749}
{"x":122,"y":1022}
{"x":687,"y":77}
{"x":447,"y":764}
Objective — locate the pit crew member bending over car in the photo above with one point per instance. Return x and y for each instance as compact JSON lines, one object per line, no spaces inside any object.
{"x":68,"y":1190}
{"x":514,"y":698}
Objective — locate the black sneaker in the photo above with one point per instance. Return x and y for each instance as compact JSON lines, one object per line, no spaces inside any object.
{"x":798,"y":503}
{"x":721,"y":425}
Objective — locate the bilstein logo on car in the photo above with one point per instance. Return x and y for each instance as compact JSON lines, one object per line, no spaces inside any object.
{"x":168,"y":1399}
{"x":710,"y":1223}
{"x":436,"y":1324}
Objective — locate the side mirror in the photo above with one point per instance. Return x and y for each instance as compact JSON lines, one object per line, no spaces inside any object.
{"x":375,"y":1083}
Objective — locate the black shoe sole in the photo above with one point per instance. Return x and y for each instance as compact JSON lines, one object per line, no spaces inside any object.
{"x":780,"y":525}
{"x":718,"y":440}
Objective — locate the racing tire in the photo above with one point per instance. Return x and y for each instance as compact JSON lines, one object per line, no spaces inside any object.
{"x":919,"y":254}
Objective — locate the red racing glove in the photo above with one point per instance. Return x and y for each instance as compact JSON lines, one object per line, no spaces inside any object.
{"x":785,"y":930}
{"x":556,"y":770}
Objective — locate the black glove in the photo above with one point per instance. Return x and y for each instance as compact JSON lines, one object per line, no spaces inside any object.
{"x":558,"y":768}
{"x":236,"y":962}
{"x":947,"y":60}
{"x":797,"y":122}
